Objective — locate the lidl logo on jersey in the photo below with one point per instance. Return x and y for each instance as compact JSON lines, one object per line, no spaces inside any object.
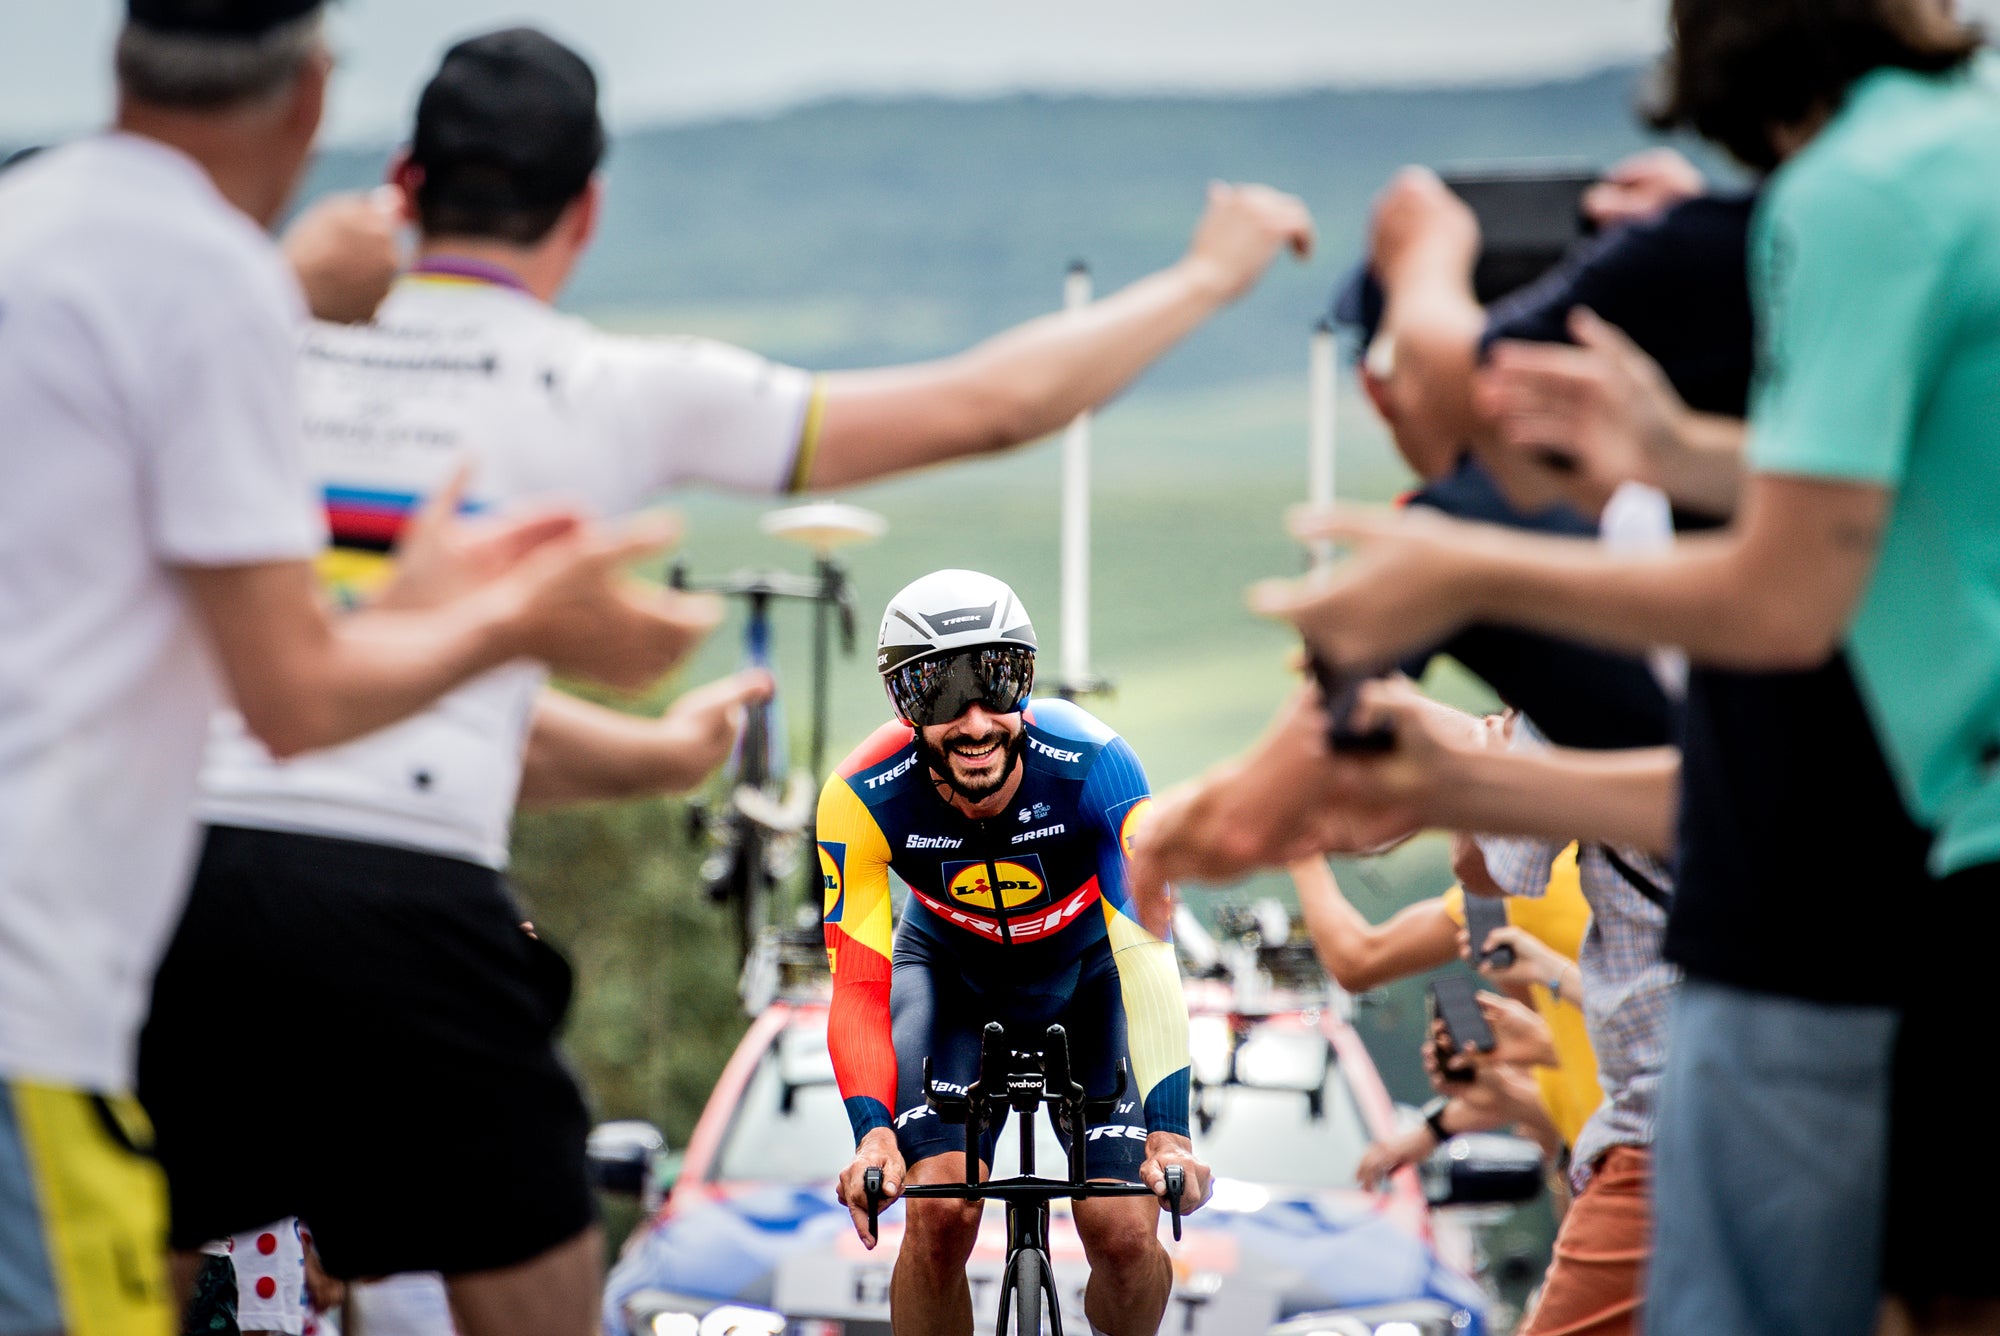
{"x":1022,"y":884}
{"x":1135,"y":817}
{"x":832,"y":871}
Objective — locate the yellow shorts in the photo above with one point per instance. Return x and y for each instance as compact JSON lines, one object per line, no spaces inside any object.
{"x":83,"y":1216}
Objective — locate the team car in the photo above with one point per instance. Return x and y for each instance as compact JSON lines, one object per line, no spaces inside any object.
{"x":750,"y":1241}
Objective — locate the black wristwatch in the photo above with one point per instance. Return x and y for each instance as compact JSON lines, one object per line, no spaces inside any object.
{"x":1434,"y":1118}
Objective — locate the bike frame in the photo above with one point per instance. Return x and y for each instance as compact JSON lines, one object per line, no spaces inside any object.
{"x":1021,"y":1083}
{"x":761,"y":751}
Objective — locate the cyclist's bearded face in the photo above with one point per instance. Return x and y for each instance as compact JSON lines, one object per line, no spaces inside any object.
{"x":974,"y":753}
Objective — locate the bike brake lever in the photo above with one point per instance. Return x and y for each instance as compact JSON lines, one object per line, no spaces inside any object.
{"x":1176,"y":1184}
{"x":871,"y":1188}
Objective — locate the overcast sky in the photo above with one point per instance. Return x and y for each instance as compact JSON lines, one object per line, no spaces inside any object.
{"x":693,"y":58}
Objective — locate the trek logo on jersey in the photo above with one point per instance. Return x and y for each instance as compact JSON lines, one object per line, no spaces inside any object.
{"x":1053,"y":753}
{"x":1113,"y":1131}
{"x":932,"y":842}
{"x":1042,"y":834}
{"x":895,"y":772}
{"x":1022,"y":883}
{"x":833,"y":876}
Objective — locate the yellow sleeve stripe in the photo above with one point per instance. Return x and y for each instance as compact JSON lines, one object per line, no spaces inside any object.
{"x":867,"y":919}
{"x":808,"y":451}
{"x":1156,"y":1017}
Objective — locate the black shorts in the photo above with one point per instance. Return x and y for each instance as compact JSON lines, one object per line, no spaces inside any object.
{"x":937,"y":1014}
{"x":387,"y":1070}
{"x":1942,"y":1177}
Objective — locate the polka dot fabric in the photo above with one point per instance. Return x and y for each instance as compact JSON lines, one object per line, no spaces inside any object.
{"x":271,"y":1279}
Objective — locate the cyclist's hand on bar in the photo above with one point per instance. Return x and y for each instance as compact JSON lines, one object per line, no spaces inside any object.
{"x":876,"y":1151}
{"x":1165,"y":1148}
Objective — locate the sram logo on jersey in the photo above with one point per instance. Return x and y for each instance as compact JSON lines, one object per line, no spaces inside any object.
{"x":1053,"y":753}
{"x":932,"y":842}
{"x":1041,"y":834}
{"x":895,"y":772}
{"x":1021,"y":883}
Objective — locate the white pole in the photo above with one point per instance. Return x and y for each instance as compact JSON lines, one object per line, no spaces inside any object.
{"x":1076,"y":518}
{"x":1319,"y":417}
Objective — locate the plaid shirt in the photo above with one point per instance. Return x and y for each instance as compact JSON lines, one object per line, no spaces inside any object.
{"x":1627,"y":983}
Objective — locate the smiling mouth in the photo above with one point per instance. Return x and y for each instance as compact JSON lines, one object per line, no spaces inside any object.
{"x":976,"y":753}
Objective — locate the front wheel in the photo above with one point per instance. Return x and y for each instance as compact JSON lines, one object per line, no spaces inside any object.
{"x":1027,"y":1282}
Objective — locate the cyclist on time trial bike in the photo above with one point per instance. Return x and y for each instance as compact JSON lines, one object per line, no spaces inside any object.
{"x":1008,"y":820}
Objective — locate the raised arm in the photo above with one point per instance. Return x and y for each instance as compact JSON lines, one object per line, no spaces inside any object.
{"x":581,"y":752}
{"x":1032,"y":379}
{"x":1773,"y":592}
{"x":304,"y":679}
{"x":1460,"y":780}
{"x":1423,"y":245}
{"x":1361,"y":955}
{"x":1608,"y":408}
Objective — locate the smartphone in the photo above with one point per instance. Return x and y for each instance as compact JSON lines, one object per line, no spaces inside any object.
{"x":1451,"y":1065}
{"x":1482,"y":915}
{"x":1339,"y":690}
{"x":1530,"y":215}
{"x":1455,"y":999}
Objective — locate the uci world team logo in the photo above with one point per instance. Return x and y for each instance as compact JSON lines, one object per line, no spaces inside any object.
{"x":1022,"y":883}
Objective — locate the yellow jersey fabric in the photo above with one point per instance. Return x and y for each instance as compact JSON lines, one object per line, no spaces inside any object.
{"x":1558,"y":920}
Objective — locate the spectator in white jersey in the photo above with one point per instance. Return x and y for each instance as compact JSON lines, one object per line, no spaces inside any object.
{"x":155,"y":540}
{"x":368,"y":880}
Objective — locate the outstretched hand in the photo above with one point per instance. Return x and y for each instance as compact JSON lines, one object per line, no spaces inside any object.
{"x":345,"y":251}
{"x":581,"y":614}
{"x":1419,"y":228}
{"x":1408,"y":584}
{"x":444,"y":553}
{"x":1602,"y":405}
{"x":703,"y":725}
{"x":1276,"y":804}
{"x":1242,"y":231}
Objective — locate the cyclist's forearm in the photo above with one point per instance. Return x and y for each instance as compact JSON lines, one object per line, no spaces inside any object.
{"x":862,"y":1045}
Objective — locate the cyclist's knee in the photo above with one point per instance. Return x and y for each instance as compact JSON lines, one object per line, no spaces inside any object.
{"x":1119,"y":1238}
{"x":938,"y":1233}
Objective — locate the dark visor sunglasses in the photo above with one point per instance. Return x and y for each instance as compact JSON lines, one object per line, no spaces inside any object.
{"x":938,"y":690}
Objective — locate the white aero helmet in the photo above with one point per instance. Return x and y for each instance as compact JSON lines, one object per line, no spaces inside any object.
{"x":928,"y":631}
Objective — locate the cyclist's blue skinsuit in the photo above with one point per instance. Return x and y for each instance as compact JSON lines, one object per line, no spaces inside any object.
{"x":1063,"y":944}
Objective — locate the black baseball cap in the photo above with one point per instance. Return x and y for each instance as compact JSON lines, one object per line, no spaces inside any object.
{"x":513,"y":116}
{"x":217,"y":18}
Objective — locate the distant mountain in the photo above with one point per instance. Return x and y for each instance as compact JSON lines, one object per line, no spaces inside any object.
{"x":859,"y":232}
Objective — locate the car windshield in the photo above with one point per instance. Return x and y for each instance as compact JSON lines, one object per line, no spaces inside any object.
{"x":1288,"y":1118}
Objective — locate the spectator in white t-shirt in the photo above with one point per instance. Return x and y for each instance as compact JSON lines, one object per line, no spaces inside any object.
{"x":155,"y":537}
{"x":315,"y":870}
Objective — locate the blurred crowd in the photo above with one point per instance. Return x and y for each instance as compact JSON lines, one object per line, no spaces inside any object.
{"x":1709,"y":505}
